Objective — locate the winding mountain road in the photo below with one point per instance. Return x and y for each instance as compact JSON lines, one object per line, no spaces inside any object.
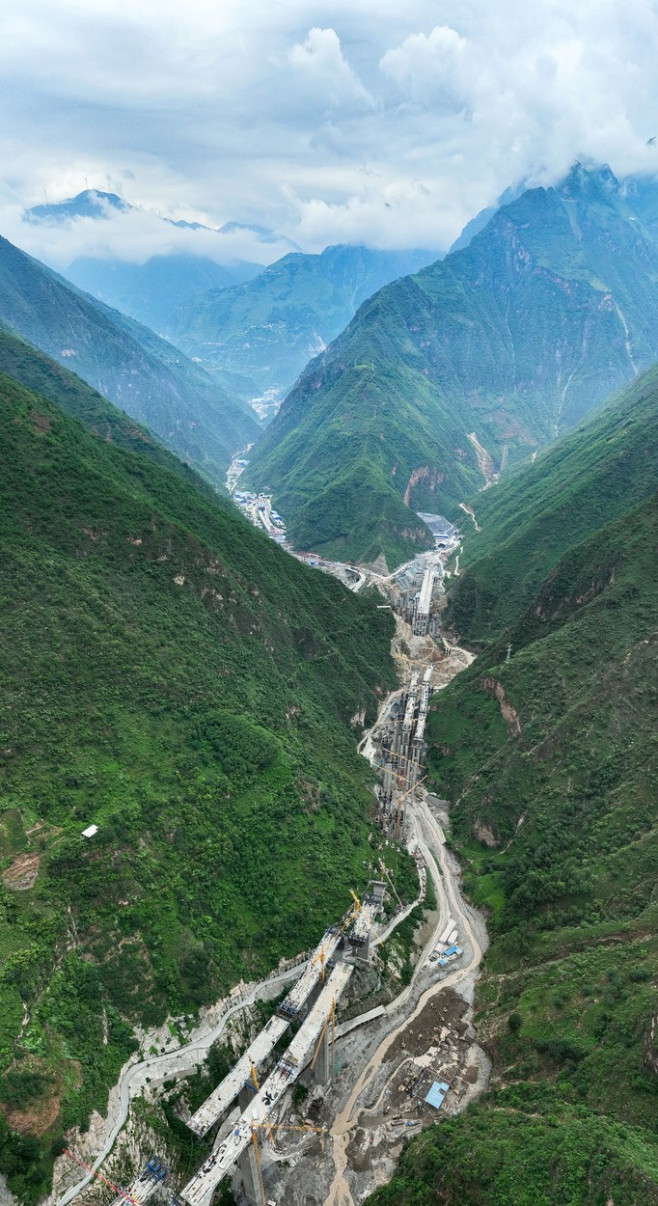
{"x":134,"y":1076}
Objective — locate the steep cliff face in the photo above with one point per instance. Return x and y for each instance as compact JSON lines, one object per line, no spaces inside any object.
{"x":469,"y":366}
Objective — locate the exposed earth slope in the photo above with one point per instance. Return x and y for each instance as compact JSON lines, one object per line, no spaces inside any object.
{"x":445,"y":378}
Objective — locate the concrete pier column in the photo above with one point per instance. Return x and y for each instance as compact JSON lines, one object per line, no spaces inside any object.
{"x":246,"y":1095}
{"x":322,"y":1069}
{"x":251,"y":1181}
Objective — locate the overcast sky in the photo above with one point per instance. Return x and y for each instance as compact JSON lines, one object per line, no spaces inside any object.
{"x":350,"y":121}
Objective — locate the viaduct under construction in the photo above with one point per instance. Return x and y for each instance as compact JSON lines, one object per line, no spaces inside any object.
{"x":312,"y":1002}
{"x":402,"y":749}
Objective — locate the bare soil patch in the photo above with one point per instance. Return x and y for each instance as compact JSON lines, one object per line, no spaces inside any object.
{"x":22,"y":873}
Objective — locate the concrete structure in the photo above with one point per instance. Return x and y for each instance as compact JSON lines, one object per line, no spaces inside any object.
{"x":226,"y":1092}
{"x":322,"y":1068}
{"x":295,"y":1003}
{"x":421,"y":616}
{"x":293,"y":1006}
{"x":263,"y":1104}
{"x":251,"y":1176}
{"x":144,"y":1185}
{"x":359,"y":933}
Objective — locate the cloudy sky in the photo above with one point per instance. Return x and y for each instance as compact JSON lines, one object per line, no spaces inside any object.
{"x":350,"y":121}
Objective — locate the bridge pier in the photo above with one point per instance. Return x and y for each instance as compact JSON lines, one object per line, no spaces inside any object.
{"x":245,"y":1096}
{"x":322,"y":1069}
{"x":252,"y":1181}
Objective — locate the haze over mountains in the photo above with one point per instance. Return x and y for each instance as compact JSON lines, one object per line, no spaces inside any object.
{"x":143,"y":374}
{"x":256,"y":337}
{"x":445,"y":378}
{"x":265,"y":331}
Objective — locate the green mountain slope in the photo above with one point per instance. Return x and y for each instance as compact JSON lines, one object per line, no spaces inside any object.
{"x":259,"y":335}
{"x":39,"y":373}
{"x":529,"y":521}
{"x":468,"y":367}
{"x":549,"y":763}
{"x":177,"y":680}
{"x":147,"y":377}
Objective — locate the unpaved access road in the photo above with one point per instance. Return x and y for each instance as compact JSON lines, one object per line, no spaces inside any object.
{"x":430,"y":839}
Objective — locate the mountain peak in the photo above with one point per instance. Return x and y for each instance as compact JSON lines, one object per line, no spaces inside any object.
{"x":91,"y":203}
{"x":589,"y":179}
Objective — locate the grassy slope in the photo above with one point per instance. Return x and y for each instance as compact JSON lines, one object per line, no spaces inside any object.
{"x":555,"y":819}
{"x":529,"y":521}
{"x":175,"y":678}
{"x":149,"y":378}
{"x":514,"y":339}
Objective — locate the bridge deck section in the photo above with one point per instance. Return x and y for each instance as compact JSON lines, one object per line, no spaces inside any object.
{"x":264,"y":1103}
{"x":226,"y":1092}
{"x":296,"y":999}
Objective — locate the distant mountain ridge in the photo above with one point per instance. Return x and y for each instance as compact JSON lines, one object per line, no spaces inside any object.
{"x":254,"y":329}
{"x":264,"y":331}
{"x":147,"y":377}
{"x":445,"y":378}
{"x":91,"y":203}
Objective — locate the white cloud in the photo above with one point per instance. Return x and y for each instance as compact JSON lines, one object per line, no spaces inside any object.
{"x":320,"y":61}
{"x":352,"y":120}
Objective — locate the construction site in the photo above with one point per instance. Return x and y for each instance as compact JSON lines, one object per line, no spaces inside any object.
{"x":310,"y":1085}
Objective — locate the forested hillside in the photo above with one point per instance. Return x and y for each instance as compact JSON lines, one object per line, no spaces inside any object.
{"x":446,"y":379}
{"x":548,"y":760}
{"x":528,"y":522}
{"x":176,"y":679}
{"x":144,"y":375}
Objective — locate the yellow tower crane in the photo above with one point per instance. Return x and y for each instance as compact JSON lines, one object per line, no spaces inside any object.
{"x":270,"y":1128}
{"x":384,"y":871}
{"x":357,"y":905}
{"x":331,"y":1017}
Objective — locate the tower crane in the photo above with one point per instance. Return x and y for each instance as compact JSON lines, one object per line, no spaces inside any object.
{"x":384,"y":871}
{"x":277,"y":1126}
{"x":399,"y":800}
{"x":357,"y":905}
